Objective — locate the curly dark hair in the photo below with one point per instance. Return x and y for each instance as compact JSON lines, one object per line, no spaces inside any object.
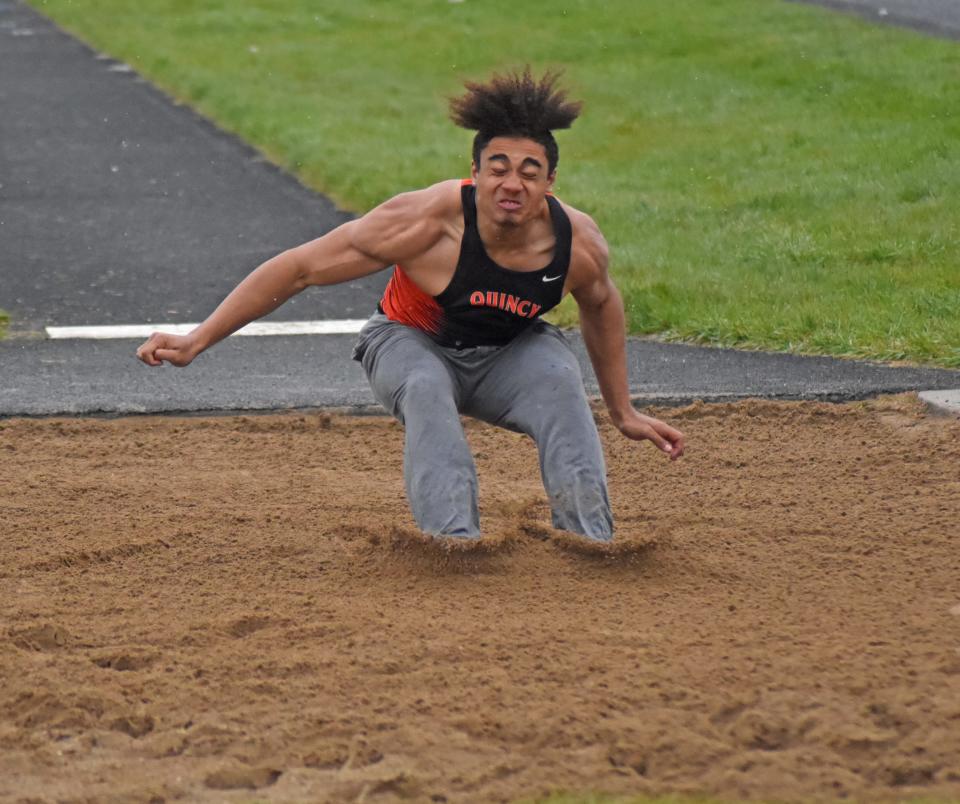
{"x":515,"y":105}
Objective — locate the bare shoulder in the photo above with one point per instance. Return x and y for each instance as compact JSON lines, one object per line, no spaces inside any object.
{"x":440,"y":199}
{"x":435,"y":203}
{"x":410,"y":223}
{"x":589,"y":251}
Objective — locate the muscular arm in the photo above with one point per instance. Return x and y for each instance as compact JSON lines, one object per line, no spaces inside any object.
{"x":603,"y":325}
{"x":397,"y":230}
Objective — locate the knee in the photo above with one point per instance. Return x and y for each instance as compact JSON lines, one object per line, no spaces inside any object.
{"x":556,"y":380}
{"x":426,"y":399}
{"x":571,"y":456}
{"x":563,"y":422}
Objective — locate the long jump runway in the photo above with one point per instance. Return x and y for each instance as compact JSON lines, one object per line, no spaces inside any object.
{"x":237,"y":607}
{"x":119,"y":207}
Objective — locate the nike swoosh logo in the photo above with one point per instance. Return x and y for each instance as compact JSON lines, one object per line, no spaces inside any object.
{"x":551,"y":278}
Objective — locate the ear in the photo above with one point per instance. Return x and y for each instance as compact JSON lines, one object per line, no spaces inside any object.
{"x":474,"y":171}
{"x":551,"y":179}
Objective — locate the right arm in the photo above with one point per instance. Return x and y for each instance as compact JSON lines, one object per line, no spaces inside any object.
{"x":399,"y":229}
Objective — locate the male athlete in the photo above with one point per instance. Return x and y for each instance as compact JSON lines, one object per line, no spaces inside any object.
{"x":459,"y":331}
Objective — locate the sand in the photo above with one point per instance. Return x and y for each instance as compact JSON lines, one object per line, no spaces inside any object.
{"x":239,"y":608}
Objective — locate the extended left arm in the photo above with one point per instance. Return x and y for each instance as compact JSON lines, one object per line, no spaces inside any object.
{"x":603,"y":325}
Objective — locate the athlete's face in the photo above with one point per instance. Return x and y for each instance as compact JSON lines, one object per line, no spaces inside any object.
{"x":512,"y":180}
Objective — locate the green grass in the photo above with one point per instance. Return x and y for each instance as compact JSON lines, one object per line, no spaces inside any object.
{"x":768,"y":175}
{"x":4,"y":323}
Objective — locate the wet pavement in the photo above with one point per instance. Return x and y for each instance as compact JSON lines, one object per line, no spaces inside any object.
{"x":120,"y":206}
{"x":934,"y":17}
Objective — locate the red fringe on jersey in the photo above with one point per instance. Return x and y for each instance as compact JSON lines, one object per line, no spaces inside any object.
{"x":405,"y":303}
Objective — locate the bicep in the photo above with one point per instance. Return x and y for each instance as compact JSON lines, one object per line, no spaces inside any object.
{"x":333,"y":258}
{"x":593,"y":289}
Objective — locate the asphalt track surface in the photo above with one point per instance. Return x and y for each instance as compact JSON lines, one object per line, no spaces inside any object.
{"x":119,"y":206}
{"x":934,"y":17}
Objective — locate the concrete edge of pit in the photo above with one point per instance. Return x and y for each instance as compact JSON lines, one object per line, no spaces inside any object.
{"x":942,"y":403}
{"x":642,"y":400}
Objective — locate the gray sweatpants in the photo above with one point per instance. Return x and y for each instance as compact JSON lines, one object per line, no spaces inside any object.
{"x":532,"y":385}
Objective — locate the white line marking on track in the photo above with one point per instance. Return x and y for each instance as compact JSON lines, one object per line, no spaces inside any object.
{"x":345,"y":326}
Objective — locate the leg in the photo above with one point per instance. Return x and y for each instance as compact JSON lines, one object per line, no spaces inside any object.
{"x":534,"y":386}
{"x":411,"y":380}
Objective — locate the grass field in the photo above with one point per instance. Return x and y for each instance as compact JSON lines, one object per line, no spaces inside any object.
{"x":769,"y":175}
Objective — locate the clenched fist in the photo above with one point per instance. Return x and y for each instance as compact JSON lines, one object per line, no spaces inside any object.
{"x":178,"y":350}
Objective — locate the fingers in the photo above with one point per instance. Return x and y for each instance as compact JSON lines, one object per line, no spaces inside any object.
{"x":146,"y":351}
{"x":170,"y":355}
{"x":153,"y":351}
{"x":672,"y":449}
{"x":667,"y":439}
{"x":676,"y":439}
{"x":163,"y":347}
{"x":660,"y":442}
{"x":651,"y":433}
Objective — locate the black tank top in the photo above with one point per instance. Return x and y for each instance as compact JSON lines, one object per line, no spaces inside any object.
{"x":484,"y":304}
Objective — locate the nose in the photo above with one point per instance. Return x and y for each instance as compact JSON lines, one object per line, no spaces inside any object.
{"x":512,"y":183}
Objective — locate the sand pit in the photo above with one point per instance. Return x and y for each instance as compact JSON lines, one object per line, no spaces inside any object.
{"x":239,"y":608}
